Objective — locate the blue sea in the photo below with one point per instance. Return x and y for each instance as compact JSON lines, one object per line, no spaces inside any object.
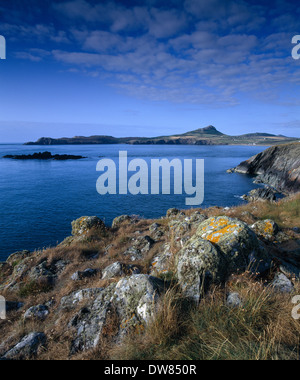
{"x":39,"y":199}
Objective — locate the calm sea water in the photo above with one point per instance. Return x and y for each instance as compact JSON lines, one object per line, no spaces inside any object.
{"x":39,"y":199}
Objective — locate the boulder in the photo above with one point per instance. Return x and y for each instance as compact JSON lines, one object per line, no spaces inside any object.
{"x":83,"y":225}
{"x":234,"y":300}
{"x":117,"y":222}
{"x":172,"y":212}
{"x":282,"y":284}
{"x":74,"y":298}
{"x":119,"y":270}
{"x":139,"y":248}
{"x":237,"y":242}
{"x":27,"y":348}
{"x":88,"y":273}
{"x":266,"y":228}
{"x":138,"y":295}
{"x":198,"y":264}
{"x":39,"y":312}
{"x":133,"y":300}
{"x":157,"y":231}
{"x":161,"y":263}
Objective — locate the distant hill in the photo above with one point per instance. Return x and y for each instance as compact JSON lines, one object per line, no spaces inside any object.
{"x":202,"y":136}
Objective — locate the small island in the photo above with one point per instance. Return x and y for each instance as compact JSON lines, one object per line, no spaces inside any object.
{"x":44,"y":156}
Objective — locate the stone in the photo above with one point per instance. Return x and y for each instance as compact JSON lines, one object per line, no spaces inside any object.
{"x":139,"y":248}
{"x":199,"y":264}
{"x":119,"y":270}
{"x":265,"y":194}
{"x":74,"y":298}
{"x":237,"y":242}
{"x":27,"y":348}
{"x":266,"y":228}
{"x":88,"y":273}
{"x":117,"y":222}
{"x":84,"y":224}
{"x":172,"y":212}
{"x":234,"y":300}
{"x":138,"y":295}
{"x":161,"y":263}
{"x":154,"y":227}
{"x":39,"y":312}
{"x":282,"y":284}
{"x":133,"y":300}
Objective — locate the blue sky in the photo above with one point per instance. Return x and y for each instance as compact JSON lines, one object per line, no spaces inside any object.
{"x":147,"y":68}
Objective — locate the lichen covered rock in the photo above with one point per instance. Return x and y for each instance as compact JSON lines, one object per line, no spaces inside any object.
{"x":133,"y":301}
{"x":39,"y":312}
{"x":83,"y":225}
{"x":266,"y":228}
{"x":160,"y":265}
{"x":119,"y":270}
{"x":198,"y":264}
{"x":140,"y":246}
{"x":237,"y":242}
{"x":118,"y":221}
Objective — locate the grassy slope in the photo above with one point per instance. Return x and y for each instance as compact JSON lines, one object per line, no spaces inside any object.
{"x":262,"y":329}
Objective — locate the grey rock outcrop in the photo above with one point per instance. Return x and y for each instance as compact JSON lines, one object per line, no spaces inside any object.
{"x":119,"y":270}
{"x":134,"y":301}
{"x":261,"y":194}
{"x":88,"y":273}
{"x":118,"y":221}
{"x":282,"y":284}
{"x":237,"y":242}
{"x":27,"y":348}
{"x":278,"y":166}
{"x":234,"y":300}
{"x":39,"y":312}
{"x":83,"y":225}
{"x":198,"y":264}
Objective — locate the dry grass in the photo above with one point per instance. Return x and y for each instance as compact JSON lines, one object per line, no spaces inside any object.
{"x":263,"y":329}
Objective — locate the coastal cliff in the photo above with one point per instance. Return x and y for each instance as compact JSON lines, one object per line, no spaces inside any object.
{"x":278,"y":167}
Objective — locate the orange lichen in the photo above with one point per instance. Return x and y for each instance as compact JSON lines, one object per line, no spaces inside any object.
{"x":269,"y":229}
{"x":215,"y":236}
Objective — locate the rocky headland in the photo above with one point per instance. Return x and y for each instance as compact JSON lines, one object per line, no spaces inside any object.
{"x":165,"y":288}
{"x":202,"y":136}
{"x":278,"y":167}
